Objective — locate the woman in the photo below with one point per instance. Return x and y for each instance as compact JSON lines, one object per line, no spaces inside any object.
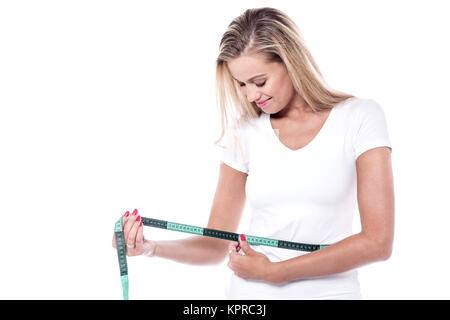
{"x":303,"y":155}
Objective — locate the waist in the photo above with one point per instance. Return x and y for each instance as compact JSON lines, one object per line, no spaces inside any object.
{"x":338,"y":286}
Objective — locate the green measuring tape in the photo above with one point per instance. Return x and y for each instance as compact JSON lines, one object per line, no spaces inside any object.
{"x":213,"y":233}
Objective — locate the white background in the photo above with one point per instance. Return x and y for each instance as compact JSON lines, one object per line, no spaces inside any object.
{"x":107,"y":106}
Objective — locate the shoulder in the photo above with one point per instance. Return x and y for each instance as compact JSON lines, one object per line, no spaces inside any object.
{"x":240,"y":129}
{"x":358,"y":109}
{"x":246,"y":125}
{"x":358,"y":105}
{"x":253,"y":121}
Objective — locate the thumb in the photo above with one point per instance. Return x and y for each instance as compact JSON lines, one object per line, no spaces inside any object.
{"x":244,"y":245}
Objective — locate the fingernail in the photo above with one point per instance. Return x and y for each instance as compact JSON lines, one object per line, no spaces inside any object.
{"x":138,"y":218}
{"x":140,"y":225}
{"x":127,"y":214}
{"x":242,"y":237}
{"x":134,"y":212}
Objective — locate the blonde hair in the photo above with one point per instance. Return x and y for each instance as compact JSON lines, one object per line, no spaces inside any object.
{"x":273,"y":35}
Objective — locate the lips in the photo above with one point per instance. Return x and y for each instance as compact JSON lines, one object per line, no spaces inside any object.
{"x":262,"y":102}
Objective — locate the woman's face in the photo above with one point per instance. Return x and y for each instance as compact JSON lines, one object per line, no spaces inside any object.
{"x":274,"y":82}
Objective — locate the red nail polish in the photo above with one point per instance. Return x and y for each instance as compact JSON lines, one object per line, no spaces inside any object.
{"x":138,"y":218}
{"x":134,"y":212}
{"x":242,"y":237}
{"x":127,"y":214}
{"x":140,"y":225}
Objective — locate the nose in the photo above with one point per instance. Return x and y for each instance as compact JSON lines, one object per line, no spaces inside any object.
{"x":253,"y":95}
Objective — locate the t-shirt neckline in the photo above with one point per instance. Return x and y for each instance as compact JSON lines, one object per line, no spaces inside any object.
{"x":310,"y":143}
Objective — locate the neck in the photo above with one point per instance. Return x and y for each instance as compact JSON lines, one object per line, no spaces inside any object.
{"x":297,"y":110}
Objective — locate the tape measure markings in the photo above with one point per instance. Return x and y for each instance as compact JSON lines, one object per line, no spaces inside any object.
{"x":121,"y":254}
{"x":213,"y":233}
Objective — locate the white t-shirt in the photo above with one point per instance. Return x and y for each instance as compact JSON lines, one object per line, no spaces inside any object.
{"x":308,"y":195}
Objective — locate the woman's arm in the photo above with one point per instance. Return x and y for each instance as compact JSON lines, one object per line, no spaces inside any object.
{"x":374,"y":242}
{"x":226,"y":212}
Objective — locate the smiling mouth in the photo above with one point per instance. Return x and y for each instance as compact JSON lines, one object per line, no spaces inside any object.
{"x":262,"y":102}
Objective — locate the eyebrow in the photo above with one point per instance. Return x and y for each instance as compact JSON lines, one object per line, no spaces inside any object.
{"x":252,"y":78}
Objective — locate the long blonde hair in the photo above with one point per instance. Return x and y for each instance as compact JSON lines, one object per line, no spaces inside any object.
{"x":273,"y":35}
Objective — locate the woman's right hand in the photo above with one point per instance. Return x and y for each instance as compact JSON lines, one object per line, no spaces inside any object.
{"x":133,"y":232}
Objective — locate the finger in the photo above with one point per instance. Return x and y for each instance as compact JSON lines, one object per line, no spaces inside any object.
{"x":129,"y":223}
{"x":244,"y":245}
{"x":131,"y":239}
{"x":233,"y":247}
{"x":237,"y":247}
{"x":233,"y":256}
{"x":125,"y":218}
{"x":140,"y":238}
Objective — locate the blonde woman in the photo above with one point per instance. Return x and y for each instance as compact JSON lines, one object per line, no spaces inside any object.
{"x":304,"y":156}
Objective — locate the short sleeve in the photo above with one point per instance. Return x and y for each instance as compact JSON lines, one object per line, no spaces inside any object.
{"x":370,"y":128}
{"x":234,"y":154}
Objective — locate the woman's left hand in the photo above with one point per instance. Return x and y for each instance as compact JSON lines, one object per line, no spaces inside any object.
{"x":251,"y":266}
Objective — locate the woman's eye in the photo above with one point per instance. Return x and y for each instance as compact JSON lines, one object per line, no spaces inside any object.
{"x":258,"y":85}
